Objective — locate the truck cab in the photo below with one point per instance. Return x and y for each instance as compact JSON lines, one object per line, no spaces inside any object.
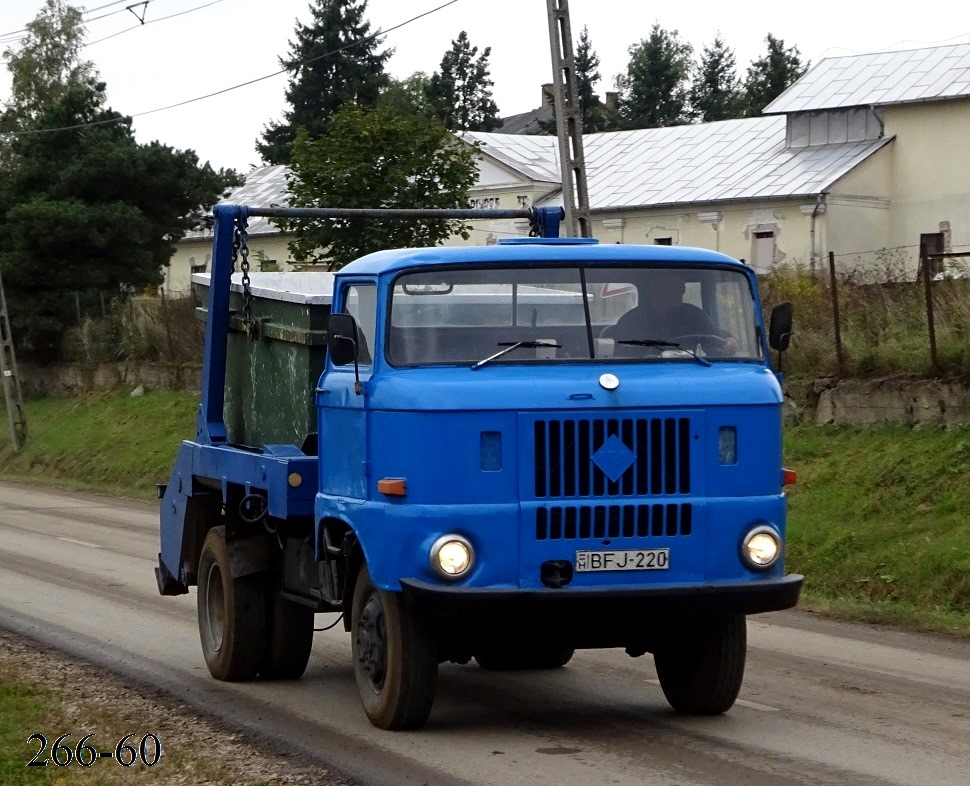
{"x":528,"y":480}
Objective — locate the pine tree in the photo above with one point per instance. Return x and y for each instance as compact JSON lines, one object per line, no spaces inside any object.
{"x":769,"y":76}
{"x":654,"y":90}
{"x":716,"y":92}
{"x":333,"y":61}
{"x":587,"y":75}
{"x":461,"y":92}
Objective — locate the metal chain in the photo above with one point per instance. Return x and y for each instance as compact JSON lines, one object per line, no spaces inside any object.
{"x":242,"y":240}
{"x":235,"y":247}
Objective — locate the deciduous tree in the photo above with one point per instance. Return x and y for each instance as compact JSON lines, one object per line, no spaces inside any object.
{"x":409,"y":96}
{"x":376,"y":158}
{"x":333,"y":61}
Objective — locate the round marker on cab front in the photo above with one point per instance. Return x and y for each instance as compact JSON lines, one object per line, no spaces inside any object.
{"x":609,"y":381}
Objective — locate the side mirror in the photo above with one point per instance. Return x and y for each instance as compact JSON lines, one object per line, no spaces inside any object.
{"x":342,"y":339}
{"x":779,"y":330}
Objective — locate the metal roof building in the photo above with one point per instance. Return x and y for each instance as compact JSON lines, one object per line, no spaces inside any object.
{"x":916,"y":75}
{"x":709,"y":162}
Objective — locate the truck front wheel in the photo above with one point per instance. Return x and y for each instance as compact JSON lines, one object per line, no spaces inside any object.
{"x":701,"y":669}
{"x":395,"y":657}
{"x":232,"y":613}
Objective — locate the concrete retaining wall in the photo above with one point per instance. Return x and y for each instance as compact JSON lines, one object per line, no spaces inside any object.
{"x":66,"y":378}
{"x":930,"y":403}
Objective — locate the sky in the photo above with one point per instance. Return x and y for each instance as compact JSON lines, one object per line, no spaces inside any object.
{"x":208,"y":46}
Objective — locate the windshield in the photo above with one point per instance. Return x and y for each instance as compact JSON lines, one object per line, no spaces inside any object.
{"x":555,"y":314}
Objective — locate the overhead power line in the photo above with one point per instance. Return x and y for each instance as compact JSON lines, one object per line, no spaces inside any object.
{"x":293,"y":67}
{"x":19,"y":35}
{"x":152,"y":21}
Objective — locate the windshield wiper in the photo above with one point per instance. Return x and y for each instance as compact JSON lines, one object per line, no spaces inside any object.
{"x":654,"y":342}
{"x":513,"y":345}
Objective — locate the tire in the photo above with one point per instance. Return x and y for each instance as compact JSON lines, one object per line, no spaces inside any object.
{"x":232,"y":614}
{"x":289,"y":639}
{"x":522,"y":658}
{"x":701,"y":673}
{"x":395,"y":657}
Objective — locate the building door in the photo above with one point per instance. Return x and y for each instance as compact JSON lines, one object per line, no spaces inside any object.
{"x":763,"y":258}
{"x":931,"y":243}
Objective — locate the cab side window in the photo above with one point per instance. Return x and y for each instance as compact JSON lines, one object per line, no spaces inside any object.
{"x":360,"y":301}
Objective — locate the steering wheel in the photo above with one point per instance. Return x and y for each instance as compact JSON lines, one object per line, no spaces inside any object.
{"x":711,"y":342}
{"x":698,"y":338}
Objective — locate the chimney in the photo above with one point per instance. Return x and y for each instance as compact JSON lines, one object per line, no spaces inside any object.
{"x":548,"y":96}
{"x":612,"y":101}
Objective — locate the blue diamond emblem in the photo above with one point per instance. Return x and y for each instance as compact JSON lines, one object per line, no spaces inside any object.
{"x":614,"y":458}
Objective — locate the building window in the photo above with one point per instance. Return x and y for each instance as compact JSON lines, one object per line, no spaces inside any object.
{"x":663,"y":241}
{"x":763,"y":252}
{"x":199,"y":268}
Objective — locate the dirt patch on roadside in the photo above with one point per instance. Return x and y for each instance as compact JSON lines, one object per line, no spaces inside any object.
{"x":197,"y":751}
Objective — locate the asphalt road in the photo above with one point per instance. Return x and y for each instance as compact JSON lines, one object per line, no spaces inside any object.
{"x":822,"y":703}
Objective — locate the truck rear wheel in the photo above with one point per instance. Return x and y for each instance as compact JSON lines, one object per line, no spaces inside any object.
{"x":395,"y":657}
{"x":232,"y":613}
{"x":536,"y":656}
{"x":289,"y":639}
{"x":702,"y":670}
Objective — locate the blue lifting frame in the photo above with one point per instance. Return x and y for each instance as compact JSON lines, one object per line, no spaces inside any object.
{"x":210,"y":428}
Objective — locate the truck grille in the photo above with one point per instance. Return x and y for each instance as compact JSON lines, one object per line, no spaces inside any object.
{"x":613,"y":521}
{"x":612,"y":457}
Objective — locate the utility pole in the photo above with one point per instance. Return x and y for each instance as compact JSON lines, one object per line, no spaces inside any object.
{"x":11,"y":382}
{"x":569,"y":121}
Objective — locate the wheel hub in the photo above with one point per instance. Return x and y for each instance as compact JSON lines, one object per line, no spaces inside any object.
{"x":372,"y":642}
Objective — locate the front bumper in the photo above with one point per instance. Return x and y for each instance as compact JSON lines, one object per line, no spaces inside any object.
{"x":750,"y":597}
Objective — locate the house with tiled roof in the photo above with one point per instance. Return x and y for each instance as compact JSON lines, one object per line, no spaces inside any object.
{"x":865,"y":156}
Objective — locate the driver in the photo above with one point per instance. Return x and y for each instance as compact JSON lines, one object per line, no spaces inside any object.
{"x":662,"y":314}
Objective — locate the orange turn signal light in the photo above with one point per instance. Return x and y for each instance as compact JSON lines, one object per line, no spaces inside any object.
{"x":393,"y":487}
{"x":788,"y":477}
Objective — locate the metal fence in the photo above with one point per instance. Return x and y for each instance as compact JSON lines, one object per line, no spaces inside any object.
{"x":873,"y":314}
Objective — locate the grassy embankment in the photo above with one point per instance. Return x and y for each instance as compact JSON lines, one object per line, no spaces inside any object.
{"x":878,"y":519}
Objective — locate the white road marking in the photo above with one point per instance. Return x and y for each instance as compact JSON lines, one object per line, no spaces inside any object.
{"x":80,"y":542}
{"x":755,"y":706}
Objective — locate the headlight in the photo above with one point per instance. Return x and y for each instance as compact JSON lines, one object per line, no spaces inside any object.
{"x":452,"y":556}
{"x":761,"y":547}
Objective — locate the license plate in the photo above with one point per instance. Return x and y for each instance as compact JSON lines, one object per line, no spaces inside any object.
{"x":633,"y":559}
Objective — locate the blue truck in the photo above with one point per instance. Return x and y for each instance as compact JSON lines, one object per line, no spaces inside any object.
{"x":510,"y":458}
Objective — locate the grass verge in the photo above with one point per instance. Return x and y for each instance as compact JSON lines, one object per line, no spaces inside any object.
{"x":878,"y":523}
{"x":106,"y":442}
{"x":877,"y":519}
